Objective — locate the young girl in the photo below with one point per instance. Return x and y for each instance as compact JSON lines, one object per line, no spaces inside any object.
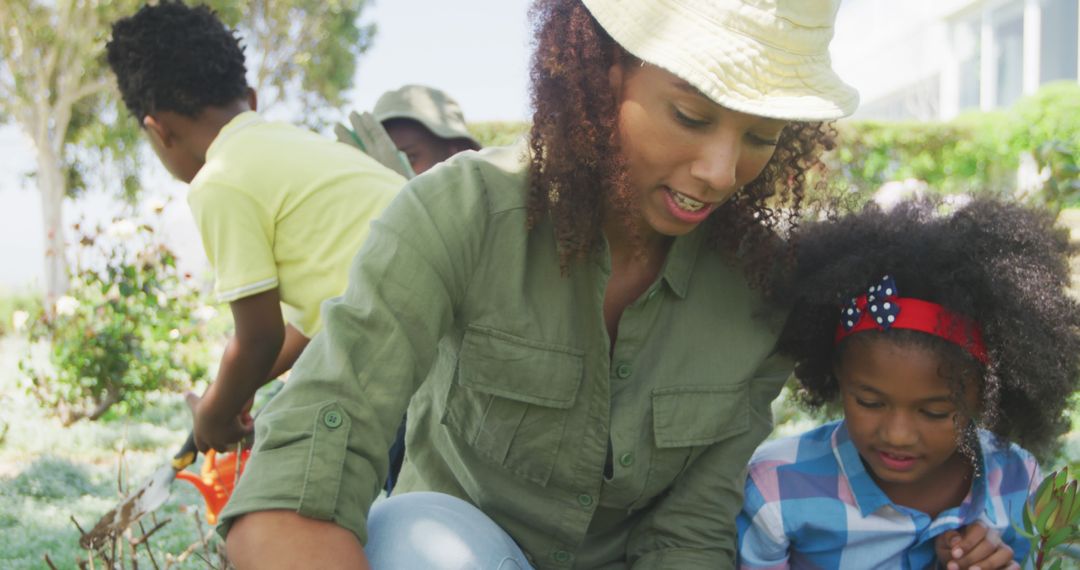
{"x":944,"y":337}
{"x":575,"y":324}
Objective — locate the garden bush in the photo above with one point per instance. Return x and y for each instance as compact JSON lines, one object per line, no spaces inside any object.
{"x":497,"y":133}
{"x":128,"y":327}
{"x":976,"y":153}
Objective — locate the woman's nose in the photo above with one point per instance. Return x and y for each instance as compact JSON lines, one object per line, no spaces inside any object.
{"x":716,"y":166}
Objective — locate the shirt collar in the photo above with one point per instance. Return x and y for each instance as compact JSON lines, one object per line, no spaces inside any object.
{"x":869,"y":497}
{"x":679,"y":265}
{"x":236,"y":124}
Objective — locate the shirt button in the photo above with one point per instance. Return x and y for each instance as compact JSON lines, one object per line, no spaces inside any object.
{"x":624,"y":371}
{"x":585,"y":500}
{"x":626,"y":459}
{"x":332,"y":419}
{"x":561,"y":556}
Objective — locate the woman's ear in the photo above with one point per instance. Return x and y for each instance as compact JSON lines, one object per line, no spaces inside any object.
{"x":252,"y":99}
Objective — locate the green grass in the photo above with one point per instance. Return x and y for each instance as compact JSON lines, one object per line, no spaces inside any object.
{"x":49,"y":474}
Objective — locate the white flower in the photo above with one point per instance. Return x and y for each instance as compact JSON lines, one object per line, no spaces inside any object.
{"x":892,"y":193}
{"x":121,"y":229}
{"x":205,"y":313}
{"x":162,"y":299}
{"x":19,"y":319}
{"x":66,"y":305}
{"x":156,"y":206}
{"x":174,"y":334}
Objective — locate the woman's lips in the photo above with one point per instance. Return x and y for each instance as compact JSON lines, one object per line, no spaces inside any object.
{"x":682,"y":207}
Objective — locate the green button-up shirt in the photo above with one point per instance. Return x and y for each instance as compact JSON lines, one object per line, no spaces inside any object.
{"x":633,"y":459}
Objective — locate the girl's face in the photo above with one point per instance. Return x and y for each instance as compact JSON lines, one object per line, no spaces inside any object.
{"x":900,"y":413}
{"x":686,"y":155}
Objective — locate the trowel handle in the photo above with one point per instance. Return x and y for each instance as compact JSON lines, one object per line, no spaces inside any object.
{"x":187,"y":454}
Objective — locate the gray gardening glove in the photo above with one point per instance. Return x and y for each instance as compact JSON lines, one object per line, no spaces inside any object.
{"x":368,"y":135}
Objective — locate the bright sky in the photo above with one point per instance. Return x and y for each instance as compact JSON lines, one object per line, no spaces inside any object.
{"x":475,"y":50}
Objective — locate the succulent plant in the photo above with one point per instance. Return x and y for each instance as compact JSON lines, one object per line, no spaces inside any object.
{"x":1050,"y":518}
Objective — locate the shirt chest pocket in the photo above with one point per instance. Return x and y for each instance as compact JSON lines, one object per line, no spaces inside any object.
{"x":686,"y":421}
{"x":511,"y":398}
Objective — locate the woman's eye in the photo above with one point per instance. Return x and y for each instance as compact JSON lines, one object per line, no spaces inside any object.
{"x":687,"y":120}
{"x":762,"y":141}
{"x":867,"y":404}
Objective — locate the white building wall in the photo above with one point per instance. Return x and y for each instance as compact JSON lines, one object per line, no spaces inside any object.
{"x":927,"y":59}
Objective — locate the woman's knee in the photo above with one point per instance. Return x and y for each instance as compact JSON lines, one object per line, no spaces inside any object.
{"x":438,"y":531}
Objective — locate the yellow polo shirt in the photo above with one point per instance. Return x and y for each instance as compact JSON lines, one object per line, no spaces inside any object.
{"x":280,"y":206}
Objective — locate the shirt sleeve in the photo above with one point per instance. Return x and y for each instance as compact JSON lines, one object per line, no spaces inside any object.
{"x":238,"y":236}
{"x":763,"y":544}
{"x":321,"y":444}
{"x":693,"y":526}
{"x":1014,"y":503}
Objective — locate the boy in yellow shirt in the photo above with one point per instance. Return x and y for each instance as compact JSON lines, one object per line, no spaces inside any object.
{"x":281,"y":210}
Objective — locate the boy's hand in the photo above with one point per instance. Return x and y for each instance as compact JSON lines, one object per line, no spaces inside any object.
{"x":974,"y":547}
{"x":218,"y":428}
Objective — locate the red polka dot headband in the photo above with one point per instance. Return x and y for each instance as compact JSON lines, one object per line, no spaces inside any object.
{"x":882,"y":308}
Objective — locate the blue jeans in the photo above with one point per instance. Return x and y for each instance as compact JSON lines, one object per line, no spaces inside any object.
{"x":440,"y":532}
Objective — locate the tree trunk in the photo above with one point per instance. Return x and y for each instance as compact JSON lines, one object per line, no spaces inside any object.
{"x":51,"y":188}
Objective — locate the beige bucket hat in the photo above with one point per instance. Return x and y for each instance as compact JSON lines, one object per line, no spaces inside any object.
{"x":429,"y":106}
{"x":763,"y":57}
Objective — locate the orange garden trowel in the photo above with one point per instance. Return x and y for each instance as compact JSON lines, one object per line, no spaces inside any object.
{"x":149,"y":496}
{"x":217,"y":479}
{"x":215,"y":482}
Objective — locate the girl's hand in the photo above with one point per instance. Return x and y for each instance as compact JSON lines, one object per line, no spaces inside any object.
{"x":973,"y":547}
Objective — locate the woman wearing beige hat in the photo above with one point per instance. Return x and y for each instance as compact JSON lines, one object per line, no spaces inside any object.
{"x":579,"y":329}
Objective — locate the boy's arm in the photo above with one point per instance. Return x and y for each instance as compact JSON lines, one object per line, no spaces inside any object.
{"x":294,"y":344}
{"x":245,"y":366}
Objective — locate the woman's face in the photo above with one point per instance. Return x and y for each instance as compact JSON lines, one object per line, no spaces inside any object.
{"x":685,"y":154}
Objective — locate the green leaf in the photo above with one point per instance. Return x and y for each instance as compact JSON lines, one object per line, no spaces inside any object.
{"x":1058,"y":537}
{"x":1042,"y":523}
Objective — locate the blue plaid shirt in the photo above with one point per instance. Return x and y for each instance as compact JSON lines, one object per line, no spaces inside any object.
{"x":810,"y":503}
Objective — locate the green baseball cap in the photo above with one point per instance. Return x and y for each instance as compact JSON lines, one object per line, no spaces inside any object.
{"x":429,"y":106}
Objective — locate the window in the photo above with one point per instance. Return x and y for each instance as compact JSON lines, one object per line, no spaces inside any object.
{"x":967,"y":44}
{"x":1059,"y":40}
{"x":1009,"y":57}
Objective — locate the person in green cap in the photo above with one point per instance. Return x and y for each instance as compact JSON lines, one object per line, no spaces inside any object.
{"x":581,"y":326}
{"x":424,"y":124}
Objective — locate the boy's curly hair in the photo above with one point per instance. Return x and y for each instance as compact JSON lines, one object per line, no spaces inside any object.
{"x":171,"y":57}
{"x":1003,"y":265}
{"x":577,"y":171}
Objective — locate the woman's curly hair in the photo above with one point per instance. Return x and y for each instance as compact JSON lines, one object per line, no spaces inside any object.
{"x":171,"y":57}
{"x":1003,"y":265}
{"x":577,"y":171}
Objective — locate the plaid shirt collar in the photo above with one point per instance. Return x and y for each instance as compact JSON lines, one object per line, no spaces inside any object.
{"x":869,"y":496}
